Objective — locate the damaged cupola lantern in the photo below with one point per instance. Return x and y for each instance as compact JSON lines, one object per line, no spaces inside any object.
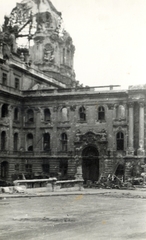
{"x":50,"y":46}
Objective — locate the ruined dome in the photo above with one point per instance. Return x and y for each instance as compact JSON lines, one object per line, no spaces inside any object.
{"x":50,"y":46}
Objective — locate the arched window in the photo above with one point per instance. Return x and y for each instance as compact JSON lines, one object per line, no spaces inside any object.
{"x":82,"y":113}
{"x":16,"y":142}
{"x":47,"y":115}
{"x":3,"y":141}
{"x":64,"y":142}
{"x":29,"y":142}
{"x":30,"y":116}
{"x":120,"y":141}
{"x":46,"y":142}
{"x":4,"y":111}
{"x":16,"y":114}
{"x":101,"y":113}
{"x":64,"y":114}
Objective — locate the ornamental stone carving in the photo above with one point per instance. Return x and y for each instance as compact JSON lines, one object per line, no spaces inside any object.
{"x":90,"y":138}
{"x":110,"y":106}
{"x":48,"y":53}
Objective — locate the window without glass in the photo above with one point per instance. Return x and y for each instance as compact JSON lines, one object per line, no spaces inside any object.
{"x":4,"y":79}
{"x":16,"y":142}
{"x":4,"y":169}
{"x":47,"y":115}
{"x":3,"y":141}
{"x":63,"y":167}
{"x":16,"y":83}
{"x":82,"y":113}
{"x":16,"y":114}
{"x":45,"y":168}
{"x":101,"y":113}
{"x":29,"y":142}
{"x":46,"y":143}
{"x":120,"y":141}
{"x":4,"y":110}
{"x":64,"y":142}
{"x":30,"y":116}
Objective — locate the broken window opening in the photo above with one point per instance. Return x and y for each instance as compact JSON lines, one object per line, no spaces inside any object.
{"x":46,"y":143}
{"x":63,"y":168}
{"x":29,"y":142}
{"x":30,"y":116}
{"x":46,"y":168}
{"x":16,"y":114}
{"x":17,"y":83}
{"x":4,"y":79}
{"x":47,"y":115}
{"x":120,"y":141}
{"x":101,"y":113}
{"x":4,"y":169}
{"x":16,"y":142}
{"x":3,"y":141}
{"x":64,"y":142}
{"x":4,"y":110}
{"x":82,"y":113}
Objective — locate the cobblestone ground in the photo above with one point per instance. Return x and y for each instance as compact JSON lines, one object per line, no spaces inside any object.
{"x":78,"y":217}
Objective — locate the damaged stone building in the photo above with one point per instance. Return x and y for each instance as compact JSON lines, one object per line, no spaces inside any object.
{"x":49,"y":122}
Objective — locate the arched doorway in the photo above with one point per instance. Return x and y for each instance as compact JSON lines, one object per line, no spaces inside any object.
{"x":90,"y":164}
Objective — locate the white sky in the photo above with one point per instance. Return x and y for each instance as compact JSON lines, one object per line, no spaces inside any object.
{"x":109,"y":36}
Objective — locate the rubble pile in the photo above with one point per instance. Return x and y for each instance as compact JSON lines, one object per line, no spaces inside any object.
{"x":114,"y":182}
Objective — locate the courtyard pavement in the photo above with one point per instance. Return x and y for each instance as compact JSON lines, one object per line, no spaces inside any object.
{"x":44,"y":192}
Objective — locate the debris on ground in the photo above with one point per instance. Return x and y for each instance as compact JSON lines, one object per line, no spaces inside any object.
{"x":114,"y":182}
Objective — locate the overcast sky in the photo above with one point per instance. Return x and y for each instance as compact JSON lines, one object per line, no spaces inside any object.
{"x":109,"y":36}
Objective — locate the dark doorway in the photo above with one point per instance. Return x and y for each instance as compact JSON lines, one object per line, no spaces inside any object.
{"x":4,"y":169}
{"x":90,"y":164}
{"x":120,"y":171}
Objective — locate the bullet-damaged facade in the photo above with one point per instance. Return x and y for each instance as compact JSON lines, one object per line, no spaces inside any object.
{"x":48,"y":121}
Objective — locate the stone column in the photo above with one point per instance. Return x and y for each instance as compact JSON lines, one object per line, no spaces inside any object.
{"x":141,"y":151}
{"x":131,"y":128}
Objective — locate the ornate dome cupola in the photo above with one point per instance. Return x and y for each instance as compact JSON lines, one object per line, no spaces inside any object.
{"x":53,"y":50}
{"x":50,"y":46}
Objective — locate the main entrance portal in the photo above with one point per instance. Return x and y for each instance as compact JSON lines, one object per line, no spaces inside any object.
{"x":90,"y":164}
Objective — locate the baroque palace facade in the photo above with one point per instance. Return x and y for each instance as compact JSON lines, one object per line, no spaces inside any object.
{"x":49,"y":123}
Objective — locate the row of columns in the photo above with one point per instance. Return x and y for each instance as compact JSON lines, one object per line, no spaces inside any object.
{"x":140,"y":151}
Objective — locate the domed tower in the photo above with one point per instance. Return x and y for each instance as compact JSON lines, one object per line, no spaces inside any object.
{"x":51,"y":49}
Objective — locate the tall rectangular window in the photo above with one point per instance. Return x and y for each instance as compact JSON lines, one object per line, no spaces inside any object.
{"x":16,"y":83}
{"x":4,"y":79}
